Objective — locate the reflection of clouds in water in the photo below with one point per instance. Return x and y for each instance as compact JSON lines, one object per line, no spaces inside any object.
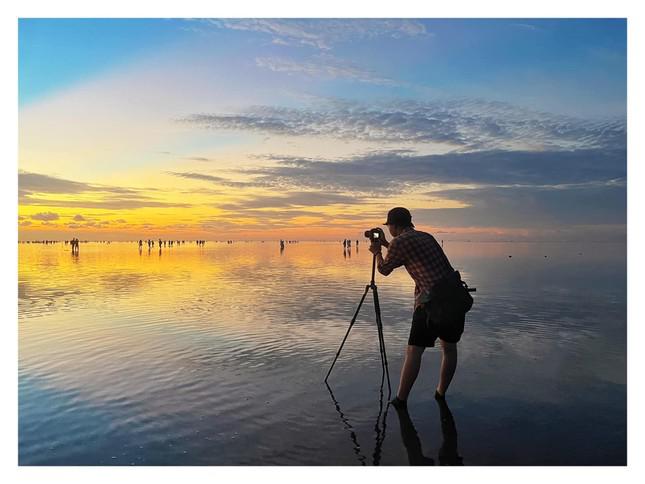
{"x":117,"y":282}
{"x":242,"y":330}
{"x":34,"y":300}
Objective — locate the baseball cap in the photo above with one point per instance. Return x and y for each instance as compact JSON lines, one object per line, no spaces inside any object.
{"x":399,"y":216}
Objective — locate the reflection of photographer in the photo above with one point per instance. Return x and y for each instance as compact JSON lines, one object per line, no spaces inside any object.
{"x":448,"y":452}
{"x":441,"y":299}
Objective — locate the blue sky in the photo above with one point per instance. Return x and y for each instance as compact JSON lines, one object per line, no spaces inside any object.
{"x":457,"y":118}
{"x":506,"y":58}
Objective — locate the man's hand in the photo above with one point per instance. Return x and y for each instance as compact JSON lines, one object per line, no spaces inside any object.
{"x":375,"y":248}
{"x":381,"y":236}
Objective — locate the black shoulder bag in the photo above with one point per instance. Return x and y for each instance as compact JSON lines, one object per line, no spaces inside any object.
{"x":450,"y":300}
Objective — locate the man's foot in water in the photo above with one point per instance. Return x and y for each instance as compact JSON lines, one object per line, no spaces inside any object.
{"x":399,"y":404}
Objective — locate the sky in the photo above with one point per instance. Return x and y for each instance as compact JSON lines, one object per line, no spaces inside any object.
{"x":486,"y":129}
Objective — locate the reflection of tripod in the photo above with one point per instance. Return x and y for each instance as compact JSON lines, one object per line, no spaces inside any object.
{"x":379,"y":427}
{"x":379,"y":326}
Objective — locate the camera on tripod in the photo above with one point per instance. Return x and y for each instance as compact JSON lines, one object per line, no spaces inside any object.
{"x":373,"y":235}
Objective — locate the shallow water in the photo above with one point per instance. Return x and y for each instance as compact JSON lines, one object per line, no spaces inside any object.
{"x":216,"y":355}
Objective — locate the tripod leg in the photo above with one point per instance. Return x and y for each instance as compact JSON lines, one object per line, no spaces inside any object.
{"x":379,"y":325}
{"x":367,"y":288}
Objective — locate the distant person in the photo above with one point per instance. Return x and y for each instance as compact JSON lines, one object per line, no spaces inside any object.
{"x":140,"y":244}
{"x":427,"y":264}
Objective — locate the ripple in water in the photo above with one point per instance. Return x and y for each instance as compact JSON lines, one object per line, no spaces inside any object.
{"x":216,"y":356}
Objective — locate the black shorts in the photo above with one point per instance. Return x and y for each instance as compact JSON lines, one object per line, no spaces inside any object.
{"x":424,"y":331}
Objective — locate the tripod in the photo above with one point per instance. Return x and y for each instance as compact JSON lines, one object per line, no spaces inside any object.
{"x":379,"y":326}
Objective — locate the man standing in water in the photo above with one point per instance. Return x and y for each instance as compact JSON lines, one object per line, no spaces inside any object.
{"x":426,"y":263}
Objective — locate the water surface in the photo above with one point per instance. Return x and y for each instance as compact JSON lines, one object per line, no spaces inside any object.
{"x":216,"y":355}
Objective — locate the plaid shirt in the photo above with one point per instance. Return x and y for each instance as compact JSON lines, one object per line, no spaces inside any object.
{"x":423,"y":258}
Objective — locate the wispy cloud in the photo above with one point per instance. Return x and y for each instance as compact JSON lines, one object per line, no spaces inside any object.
{"x":324,"y":66}
{"x":32,"y":187}
{"x":293,"y":200}
{"x":198,"y":158}
{"x":396,"y":171}
{"x":212,"y":179}
{"x":527,"y":26}
{"x":45,"y":216}
{"x":467,"y":124}
{"x":543,"y":206}
{"x":323,"y":34}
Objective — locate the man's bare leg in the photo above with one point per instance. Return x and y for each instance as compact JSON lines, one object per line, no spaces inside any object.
{"x":448,"y":366}
{"x":410,"y":370}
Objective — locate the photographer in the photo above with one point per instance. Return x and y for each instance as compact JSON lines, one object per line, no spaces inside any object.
{"x":427,"y":264}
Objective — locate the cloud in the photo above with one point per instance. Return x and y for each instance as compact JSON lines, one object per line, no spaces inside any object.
{"x":526,"y":26}
{"x":502,"y":189}
{"x":45,"y":216}
{"x":293,"y":199}
{"x":111,"y":203}
{"x":197,"y":176}
{"x":198,"y":158}
{"x":323,"y":66}
{"x":582,"y":204}
{"x":79,"y":217}
{"x":466,"y":124}
{"x":35,"y":182}
{"x":211,"y":178}
{"x":397,"y":172}
{"x":323,"y":34}
{"x":32,"y":185}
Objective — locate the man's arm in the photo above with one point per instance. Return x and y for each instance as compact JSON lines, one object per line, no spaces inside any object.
{"x":393,"y":259}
